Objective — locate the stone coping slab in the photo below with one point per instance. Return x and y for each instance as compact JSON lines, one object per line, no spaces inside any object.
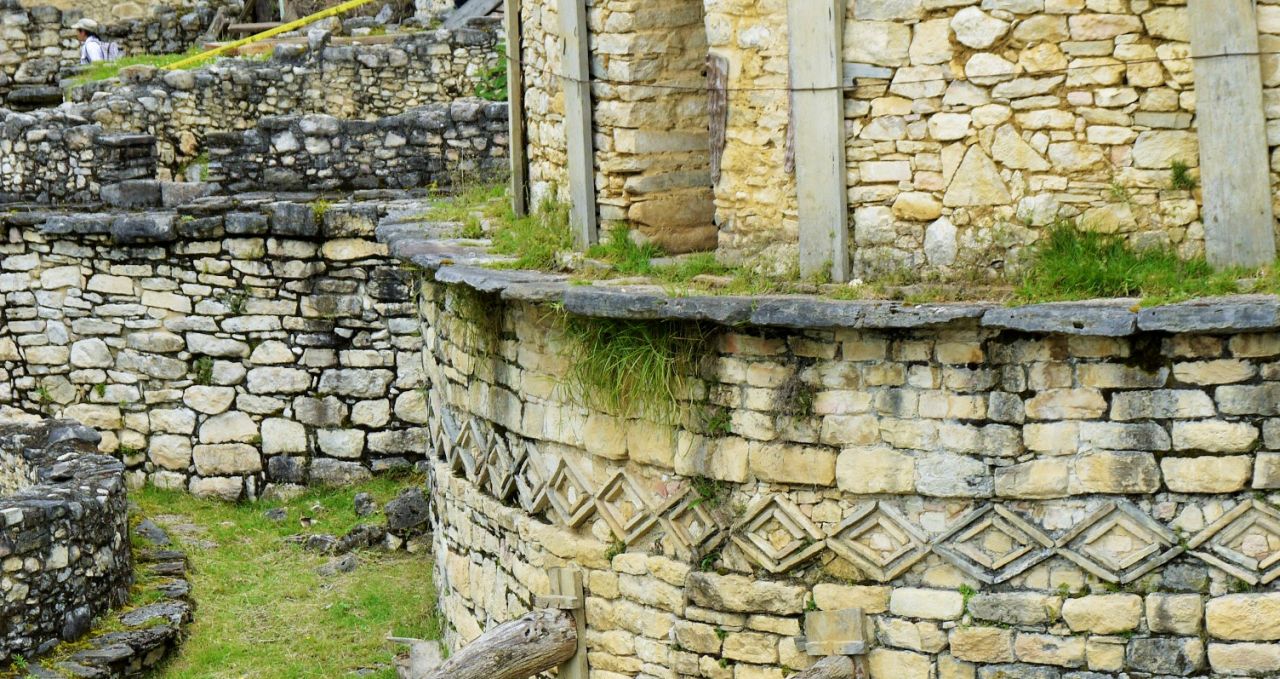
{"x":467,"y":262}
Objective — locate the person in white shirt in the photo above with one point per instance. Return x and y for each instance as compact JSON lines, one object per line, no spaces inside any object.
{"x":91,"y":47}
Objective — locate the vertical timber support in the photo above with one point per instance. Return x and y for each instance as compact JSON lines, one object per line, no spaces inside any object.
{"x":515,"y":109}
{"x":1239,"y":224}
{"x":817,"y":114}
{"x":576,"y":82}
{"x":567,"y":595}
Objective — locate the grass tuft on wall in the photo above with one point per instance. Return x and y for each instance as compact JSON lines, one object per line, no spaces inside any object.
{"x":633,"y":368}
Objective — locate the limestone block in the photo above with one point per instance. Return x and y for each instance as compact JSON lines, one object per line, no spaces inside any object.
{"x":274,"y":380}
{"x":867,"y":470}
{"x":1123,"y":472}
{"x":1103,"y":613}
{"x":1067,"y":404}
{"x":170,"y":452}
{"x":1175,"y":613}
{"x":932,"y":604}
{"x":784,"y":463}
{"x":221,"y":488}
{"x":1016,"y":608}
{"x":1047,"y":649}
{"x":209,"y":400}
{"x":884,"y":663}
{"x":341,"y":443}
{"x":1245,"y":660}
{"x":226,"y":459}
{"x":871,"y":599}
{"x":1214,"y":436}
{"x":982,"y":644}
{"x":976,"y":182}
{"x":735,"y":593}
{"x":376,"y":414}
{"x":173,"y":421}
{"x":1211,"y":474}
{"x":1244,"y":617}
{"x":1158,"y":149}
{"x":229,"y":427}
{"x":1047,"y":478}
{"x":977,"y":29}
{"x":283,"y":436}
{"x":91,"y":353}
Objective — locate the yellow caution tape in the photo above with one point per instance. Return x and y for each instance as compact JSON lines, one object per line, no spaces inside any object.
{"x":292,"y":25}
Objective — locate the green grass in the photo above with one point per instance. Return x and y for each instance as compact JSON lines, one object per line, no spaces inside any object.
{"x":104,"y":70}
{"x":1070,"y":264}
{"x":625,"y":255}
{"x":1180,"y":177}
{"x":632,"y":368}
{"x":536,"y":239}
{"x":263,"y":611}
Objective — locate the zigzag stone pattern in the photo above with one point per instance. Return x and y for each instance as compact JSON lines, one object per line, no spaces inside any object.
{"x":1000,"y":503}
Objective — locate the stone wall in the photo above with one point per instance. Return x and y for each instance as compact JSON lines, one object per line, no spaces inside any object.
{"x":352,"y":82}
{"x":1051,"y":491}
{"x":988,"y":125}
{"x":233,"y":347}
{"x":53,"y":157}
{"x":38,"y":45}
{"x":64,"y":538}
{"x":433,"y":145}
{"x":649,"y":108}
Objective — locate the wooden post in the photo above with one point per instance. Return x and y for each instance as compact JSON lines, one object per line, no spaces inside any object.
{"x":816,"y":29}
{"x":576,"y":82}
{"x":515,"y":109}
{"x":566,"y":586}
{"x":1239,"y":226}
{"x":518,"y":649}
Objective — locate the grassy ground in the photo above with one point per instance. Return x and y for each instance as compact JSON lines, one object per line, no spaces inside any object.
{"x":1065,"y":264}
{"x":263,"y":611}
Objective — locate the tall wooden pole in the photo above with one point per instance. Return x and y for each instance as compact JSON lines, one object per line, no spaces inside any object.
{"x":515,"y":109}
{"x":816,"y":54}
{"x":1239,"y":226}
{"x":576,"y":82}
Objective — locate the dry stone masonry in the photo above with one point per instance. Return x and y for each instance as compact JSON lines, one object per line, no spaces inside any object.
{"x":38,"y":45}
{"x":1078,"y":491}
{"x":350,"y":82}
{"x":969,"y":127}
{"x":64,"y":536}
{"x":233,"y":347}
{"x":434,"y":145}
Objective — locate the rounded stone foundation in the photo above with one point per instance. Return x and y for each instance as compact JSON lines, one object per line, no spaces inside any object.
{"x":1065,"y":491}
{"x":64,"y":545}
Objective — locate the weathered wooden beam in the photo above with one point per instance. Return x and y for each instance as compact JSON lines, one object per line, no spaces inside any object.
{"x":817,"y":121}
{"x":830,"y":667}
{"x":1239,"y":224}
{"x":717,"y":110}
{"x":537,"y":642}
{"x":566,"y":585}
{"x":576,"y":82}
{"x":519,"y":186}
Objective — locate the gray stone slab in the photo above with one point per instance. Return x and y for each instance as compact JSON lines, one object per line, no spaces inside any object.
{"x":1219,"y":314}
{"x":889,"y":315}
{"x":1095,"y":318}
{"x":803,"y":312}
{"x":136,"y":229}
{"x":541,"y":291}
{"x":490,"y":280}
{"x":78,"y":224}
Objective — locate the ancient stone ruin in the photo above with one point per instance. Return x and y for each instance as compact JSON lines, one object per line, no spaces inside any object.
{"x":235,"y":276}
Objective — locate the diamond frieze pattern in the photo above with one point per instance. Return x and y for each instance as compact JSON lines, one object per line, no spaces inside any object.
{"x":530,"y":483}
{"x":1245,"y":542}
{"x":501,"y":465}
{"x":993,"y":544}
{"x":775,"y":535}
{"x":622,"y":505}
{"x":879,"y":540}
{"x":569,"y":496}
{"x":1119,"y":543}
{"x":694,"y":530}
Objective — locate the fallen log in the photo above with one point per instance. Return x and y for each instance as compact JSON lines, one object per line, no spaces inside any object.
{"x":519,"y":649}
{"x":833,"y":667}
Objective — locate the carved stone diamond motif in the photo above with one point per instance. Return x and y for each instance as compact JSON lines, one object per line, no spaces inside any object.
{"x":878,"y":539}
{"x":502,"y":464}
{"x":1119,"y":543}
{"x":1245,"y":542}
{"x":458,"y":451}
{"x":482,"y":441}
{"x":993,"y":544}
{"x":622,"y":505}
{"x":531,"y":486}
{"x":775,"y":535}
{"x":693,"y":529}
{"x":569,"y":496}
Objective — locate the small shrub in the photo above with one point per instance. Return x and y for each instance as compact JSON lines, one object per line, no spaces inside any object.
{"x":493,"y":81}
{"x":320,"y":208}
{"x":203,"y":368}
{"x":710,"y":492}
{"x":616,"y":547}
{"x":1180,"y":177}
